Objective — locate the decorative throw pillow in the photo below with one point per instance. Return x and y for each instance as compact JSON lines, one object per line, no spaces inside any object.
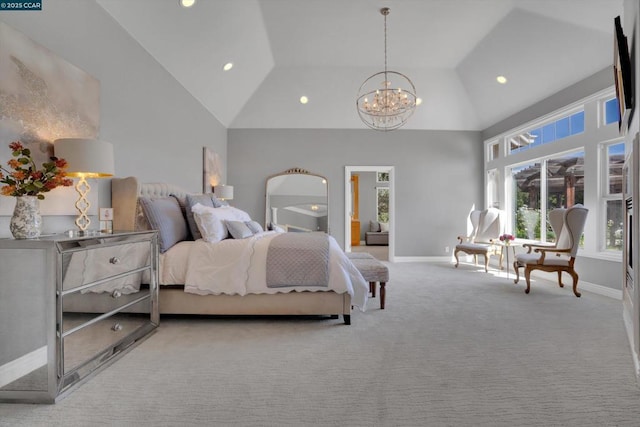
{"x":191,"y":200}
{"x":211,"y":221}
{"x":254,"y":226}
{"x":165,"y":216}
{"x":238,"y":229}
{"x":374,"y":226}
{"x":384,"y":227}
{"x":217,"y":203}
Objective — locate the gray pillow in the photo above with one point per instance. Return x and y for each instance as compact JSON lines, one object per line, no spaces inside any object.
{"x":217,"y":203}
{"x":238,"y":229}
{"x":374,"y":226}
{"x":254,"y":226}
{"x":191,"y":200}
{"x":165,"y":216}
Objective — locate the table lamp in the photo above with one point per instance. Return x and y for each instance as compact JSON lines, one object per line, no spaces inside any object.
{"x":223,"y":192}
{"x":86,"y":158}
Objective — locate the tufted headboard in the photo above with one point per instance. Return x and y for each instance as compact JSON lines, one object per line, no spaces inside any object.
{"x":124,"y":200}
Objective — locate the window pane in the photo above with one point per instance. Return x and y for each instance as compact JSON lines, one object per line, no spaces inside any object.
{"x":613,"y":238}
{"x":383,"y":176}
{"x":615,"y":154}
{"x":611,"y":111}
{"x":577,"y":123}
{"x":562,"y":128}
{"x":549,"y":133}
{"x":383,"y":204}
{"x":565,"y":181}
{"x":493,"y":184}
{"x":526,"y":199}
{"x":495,"y":151}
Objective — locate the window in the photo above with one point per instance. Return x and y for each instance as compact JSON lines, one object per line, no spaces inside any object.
{"x":612,"y":195}
{"x":611,"y":111}
{"x":494,"y":151}
{"x":526,"y":200}
{"x":382,"y":177}
{"x":586,"y":167}
{"x":566,"y":126}
{"x":382,"y":204}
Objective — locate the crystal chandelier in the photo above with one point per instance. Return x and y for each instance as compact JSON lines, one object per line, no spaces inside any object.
{"x":384,"y":104}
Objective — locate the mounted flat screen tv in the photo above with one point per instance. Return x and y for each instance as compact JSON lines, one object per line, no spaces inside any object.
{"x":622,"y":74}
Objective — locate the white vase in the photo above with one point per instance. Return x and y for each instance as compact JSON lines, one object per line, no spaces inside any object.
{"x":26,"y":222}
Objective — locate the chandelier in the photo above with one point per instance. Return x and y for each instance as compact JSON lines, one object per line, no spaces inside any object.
{"x":384,"y":104}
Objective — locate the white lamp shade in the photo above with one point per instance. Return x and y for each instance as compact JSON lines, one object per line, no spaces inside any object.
{"x":223,"y":192}
{"x":85,"y":157}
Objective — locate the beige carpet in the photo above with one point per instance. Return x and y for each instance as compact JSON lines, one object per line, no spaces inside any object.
{"x":454,"y":347}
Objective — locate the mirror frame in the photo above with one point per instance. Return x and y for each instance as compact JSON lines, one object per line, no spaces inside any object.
{"x":293,"y":171}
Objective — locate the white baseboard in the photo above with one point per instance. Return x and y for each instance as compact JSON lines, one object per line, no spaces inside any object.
{"x":21,"y":366}
{"x":421,"y":259}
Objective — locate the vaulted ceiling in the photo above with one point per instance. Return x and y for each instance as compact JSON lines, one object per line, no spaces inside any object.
{"x":453,"y":50}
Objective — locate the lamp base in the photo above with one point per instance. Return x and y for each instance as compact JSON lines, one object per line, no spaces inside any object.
{"x":82,"y":204}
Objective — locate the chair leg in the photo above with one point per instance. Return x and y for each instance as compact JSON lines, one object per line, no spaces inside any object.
{"x":455,"y":254}
{"x":516,"y":268}
{"x":475,"y":259}
{"x":574,"y":275}
{"x":560,"y":279}
{"x":486,"y":263}
{"x":527,"y":276}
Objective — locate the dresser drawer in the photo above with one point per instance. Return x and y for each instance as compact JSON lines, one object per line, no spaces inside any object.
{"x":88,"y":266}
{"x":94,"y":339}
{"x":92,"y":305}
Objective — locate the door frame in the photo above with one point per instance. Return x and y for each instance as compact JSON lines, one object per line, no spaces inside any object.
{"x":348,"y":170}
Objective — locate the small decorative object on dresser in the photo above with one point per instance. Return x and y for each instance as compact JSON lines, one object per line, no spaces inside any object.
{"x":59,"y":333}
{"x":27,"y":184}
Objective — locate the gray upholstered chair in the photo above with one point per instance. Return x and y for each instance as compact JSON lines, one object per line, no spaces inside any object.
{"x":487,"y":228}
{"x":568,"y":225}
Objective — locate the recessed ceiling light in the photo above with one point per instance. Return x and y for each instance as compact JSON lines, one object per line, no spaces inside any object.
{"x":501,"y":79}
{"x":304,"y":99}
{"x":228,"y":66}
{"x":187,"y":3}
{"x":418,"y":101}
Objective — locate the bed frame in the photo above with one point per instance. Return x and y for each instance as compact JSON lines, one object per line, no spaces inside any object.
{"x":172,"y":300}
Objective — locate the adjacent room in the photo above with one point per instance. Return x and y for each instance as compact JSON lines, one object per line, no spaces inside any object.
{"x":286,"y":212}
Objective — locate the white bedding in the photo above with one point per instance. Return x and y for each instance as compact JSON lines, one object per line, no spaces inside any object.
{"x":238,"y":267}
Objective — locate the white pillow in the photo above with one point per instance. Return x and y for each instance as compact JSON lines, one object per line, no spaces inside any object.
{"x":211,"y":221}
{"x":384,"y":226}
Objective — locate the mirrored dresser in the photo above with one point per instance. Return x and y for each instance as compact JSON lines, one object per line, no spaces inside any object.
{"x":70,"y":306}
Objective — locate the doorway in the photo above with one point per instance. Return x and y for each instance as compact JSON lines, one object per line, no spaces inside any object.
{"x":381,"y":172}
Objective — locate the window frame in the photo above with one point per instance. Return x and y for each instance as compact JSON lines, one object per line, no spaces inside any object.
{"x":589,"y":140}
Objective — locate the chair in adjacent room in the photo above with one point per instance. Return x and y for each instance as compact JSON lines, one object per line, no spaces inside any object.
{"x":487,"y":225}
{"x":568,"y":225}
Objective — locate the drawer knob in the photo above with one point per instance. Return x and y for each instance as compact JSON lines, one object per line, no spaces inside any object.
{"x":116,"y":327}
{"x":114,"y":260}
{"x":116,"y":294}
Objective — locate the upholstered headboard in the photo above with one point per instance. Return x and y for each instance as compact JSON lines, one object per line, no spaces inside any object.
{"x":124,"y":199}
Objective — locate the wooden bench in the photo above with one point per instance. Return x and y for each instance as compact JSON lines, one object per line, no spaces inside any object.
{"x":373,"y":272}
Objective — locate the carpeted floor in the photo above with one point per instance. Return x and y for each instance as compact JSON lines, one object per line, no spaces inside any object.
{"x":454,"y":347}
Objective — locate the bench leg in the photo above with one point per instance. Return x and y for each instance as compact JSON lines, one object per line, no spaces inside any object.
{"x":347,"y":319}
{"x":372,"y":289}
{"x":383,"y":293}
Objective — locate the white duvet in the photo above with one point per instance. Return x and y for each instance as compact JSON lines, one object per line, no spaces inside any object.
{"x":238,"y":267}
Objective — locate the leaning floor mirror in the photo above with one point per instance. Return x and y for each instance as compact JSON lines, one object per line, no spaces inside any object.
{"x":297,"y":200}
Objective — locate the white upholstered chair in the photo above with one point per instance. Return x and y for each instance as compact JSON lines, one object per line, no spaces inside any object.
{"x":487,"y":226}
{"x":568,"y":225}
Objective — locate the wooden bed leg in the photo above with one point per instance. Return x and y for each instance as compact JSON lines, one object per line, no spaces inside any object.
{"x":347,"y":319}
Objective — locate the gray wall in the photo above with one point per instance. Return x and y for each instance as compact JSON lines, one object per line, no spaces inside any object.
{"x":438,"y":175}
{"x":157,"y":128}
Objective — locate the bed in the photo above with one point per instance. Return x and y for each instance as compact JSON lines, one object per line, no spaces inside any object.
{"x":228,"y":277}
